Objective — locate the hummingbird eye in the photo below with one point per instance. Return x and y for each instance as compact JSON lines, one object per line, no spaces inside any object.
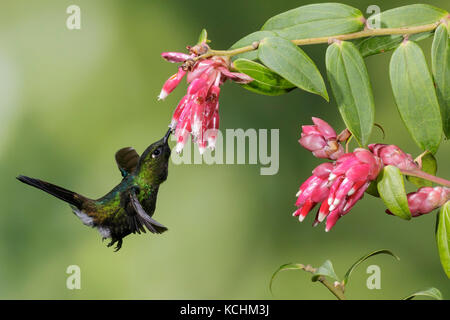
{"x":156,"y":153}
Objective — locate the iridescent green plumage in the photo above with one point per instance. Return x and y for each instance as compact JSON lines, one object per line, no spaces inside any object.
{"x":127,"y":208}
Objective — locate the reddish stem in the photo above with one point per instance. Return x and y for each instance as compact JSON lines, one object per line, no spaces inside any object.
{"x":420,"y":174}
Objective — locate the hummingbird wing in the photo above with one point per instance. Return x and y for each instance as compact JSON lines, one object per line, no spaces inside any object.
{"x":127,"y":160}
{"x":143,"y":218}
{"x":135,"y":225}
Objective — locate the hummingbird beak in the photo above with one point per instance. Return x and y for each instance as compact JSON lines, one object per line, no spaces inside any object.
{"x":166,"y":137}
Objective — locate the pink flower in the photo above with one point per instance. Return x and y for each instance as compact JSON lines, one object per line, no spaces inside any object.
{"x":337,"y":186}
{"x":171,"y":84}
{"x":197,"y":114}
{"x":313,"y":191}
{"x":426,"y":199}
{"x":393,"y":155}
{"x":175,"y":57}
{"x":350,"y":179}
{"x":321,"y":140}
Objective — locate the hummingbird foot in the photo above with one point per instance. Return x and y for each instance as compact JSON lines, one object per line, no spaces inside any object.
{"x":118,"y":245}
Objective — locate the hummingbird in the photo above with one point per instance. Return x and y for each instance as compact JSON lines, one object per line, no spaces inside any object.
{"x":130,"y":205}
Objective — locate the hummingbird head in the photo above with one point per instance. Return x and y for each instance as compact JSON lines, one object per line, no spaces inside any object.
{"x":155,"y":160}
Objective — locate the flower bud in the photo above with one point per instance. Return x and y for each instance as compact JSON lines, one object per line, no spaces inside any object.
{"x":236,"y":76}
{"x":320,"y":139}
{"x":175,"y":57}
{"x":426,"y":199}
{"x":393,"y":155}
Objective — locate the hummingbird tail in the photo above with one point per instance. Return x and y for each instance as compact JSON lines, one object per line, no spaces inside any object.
{"x":159,"y":228}
{"x":58,"y":192}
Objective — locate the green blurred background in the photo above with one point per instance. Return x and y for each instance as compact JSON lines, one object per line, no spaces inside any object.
{"x":70,"y":99}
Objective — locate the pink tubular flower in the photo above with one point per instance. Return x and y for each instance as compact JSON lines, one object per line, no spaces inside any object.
{"x":313,"y":190}
{"x":338,"y":186}
{"x":171,"y":84}
{"x":426,"y":199}
{"x":175,"y":57}
{"x":321,"y":140}
{"x":393,"y":155}
{"x":197,"y":114}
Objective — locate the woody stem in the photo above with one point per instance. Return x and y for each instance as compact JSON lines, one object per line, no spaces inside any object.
{"x":328,"y":39}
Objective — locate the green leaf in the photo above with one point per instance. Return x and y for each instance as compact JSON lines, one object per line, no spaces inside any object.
{"x":430,"y":292}
{"x":415,"y":95}
{"x":284,"y":267}
{"x":364,"y":258}
{"x":264,"y":81}
{"x":203,"y":37}
{"x":374,"y":45}
{"x":406,"y":16}
{"x":291,"y":63}
{"x":409,"y":16}
{"x":429,"y":165}
{"x":440,"y":65}
{"x":327,"y":270}
{"x":316,"y":20}
{"x":372,"y":189}
{"x":248,"y":41}
{"x":392,"y":191}
{"x":351,"y":87}
{"x":443,"y":237}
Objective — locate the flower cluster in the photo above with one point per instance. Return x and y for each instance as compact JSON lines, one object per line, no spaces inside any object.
{"x":425,"y":199}
{"x":197,"y":114}
{"x":338,"y":185}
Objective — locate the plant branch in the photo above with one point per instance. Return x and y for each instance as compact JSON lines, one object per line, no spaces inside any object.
{"x":349,"y":36}
{"x":426,"y":176}
{"x":336,"y":291}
